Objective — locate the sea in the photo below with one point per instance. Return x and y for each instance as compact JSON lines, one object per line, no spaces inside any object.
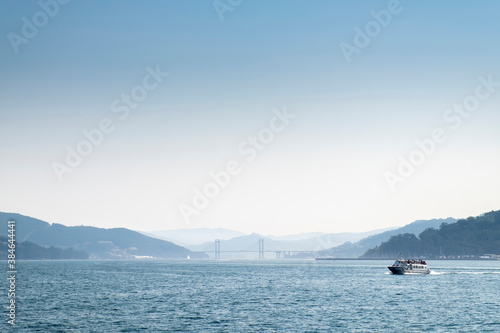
{"x":253,"y":296}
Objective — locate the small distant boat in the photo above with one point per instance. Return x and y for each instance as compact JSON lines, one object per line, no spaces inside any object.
{"x":409,"y":266}
{"x":188,"y":257}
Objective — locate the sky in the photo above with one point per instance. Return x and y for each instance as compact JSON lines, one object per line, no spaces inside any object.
{"x":275,"y":117}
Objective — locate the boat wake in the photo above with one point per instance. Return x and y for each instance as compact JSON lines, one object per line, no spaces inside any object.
{"x":448,"y":273}
{"x":464,"y":272}
{"x":478,"y":273}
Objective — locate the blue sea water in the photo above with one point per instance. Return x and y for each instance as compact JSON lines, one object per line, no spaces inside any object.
{"x":253,"y":296}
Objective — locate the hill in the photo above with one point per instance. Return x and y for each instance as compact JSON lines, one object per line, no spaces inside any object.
{"x":116,"y":243}
{"x":186,"y":237}
{"x":321,"y":241}
{"x":354,"y":250}
{"x":32,"y":251}
{"x":471,"y":237}
{"x":202,"y":239}
{"x":290,"y":243}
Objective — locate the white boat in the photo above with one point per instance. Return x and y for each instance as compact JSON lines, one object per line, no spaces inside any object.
{"x":409,"y":266}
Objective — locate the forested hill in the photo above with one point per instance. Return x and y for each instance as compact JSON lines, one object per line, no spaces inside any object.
{"x":354,"y":250}
{"x":99,"y":243}
{"x":28,"y":250}
{"x":474,"y":236}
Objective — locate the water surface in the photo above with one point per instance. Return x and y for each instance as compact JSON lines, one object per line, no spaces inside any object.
{"x":254,"y":296}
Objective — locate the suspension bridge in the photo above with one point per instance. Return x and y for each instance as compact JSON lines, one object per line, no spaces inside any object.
{"x":279,"y":254}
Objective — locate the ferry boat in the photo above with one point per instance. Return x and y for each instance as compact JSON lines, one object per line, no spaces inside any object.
{"x":409,"y":266}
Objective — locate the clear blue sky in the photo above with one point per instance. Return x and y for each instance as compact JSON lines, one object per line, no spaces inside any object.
{"x":326,"y":171}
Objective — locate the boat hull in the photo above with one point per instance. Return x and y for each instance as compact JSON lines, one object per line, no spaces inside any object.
{"x":401,"y":271}
{"x":397,"y":270}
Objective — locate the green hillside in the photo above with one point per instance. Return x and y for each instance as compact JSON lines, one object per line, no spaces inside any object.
{"x":354,"y":250}
{"x":29,"y":250}
{"x":471,"y":237}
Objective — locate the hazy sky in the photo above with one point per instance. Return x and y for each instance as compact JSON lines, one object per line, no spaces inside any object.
{"x":314,"y":106}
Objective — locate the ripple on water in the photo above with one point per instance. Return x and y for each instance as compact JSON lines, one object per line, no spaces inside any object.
{"x":231,"y":296}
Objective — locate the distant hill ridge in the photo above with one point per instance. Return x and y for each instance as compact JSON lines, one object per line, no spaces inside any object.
{"x":354,"y":250}
{"x":115,"y":243}
{"x":187,"y":237}
{"x":300,"y":242}
{"x":474,"y":236}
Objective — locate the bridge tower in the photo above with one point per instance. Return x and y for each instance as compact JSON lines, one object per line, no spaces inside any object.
{"x":217,"y":249}
{"x":261,"y":248}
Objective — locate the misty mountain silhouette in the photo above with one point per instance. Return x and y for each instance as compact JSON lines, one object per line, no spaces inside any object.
{"x":354,"y":250}
{"x":115,"y":243}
